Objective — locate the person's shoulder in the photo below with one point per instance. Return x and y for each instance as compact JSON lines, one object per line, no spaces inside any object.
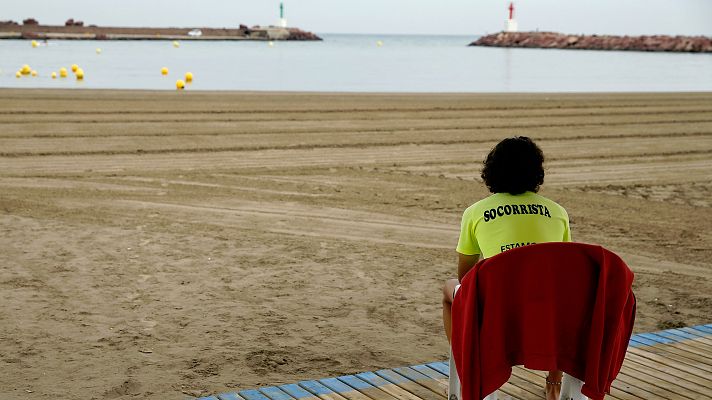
{"x":479,"y":206}
{"x":551,"y":204}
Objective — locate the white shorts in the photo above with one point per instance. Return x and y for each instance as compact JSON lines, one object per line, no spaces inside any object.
{"x":454,"y":292}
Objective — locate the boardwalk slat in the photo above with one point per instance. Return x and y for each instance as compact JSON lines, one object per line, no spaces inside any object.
{"x":207,"y":398}
{"x":431,"y":373}
{"x":297,"y":392}
{"x":685,"y":376}
{"x":671,"y":360}
{"x":321,"y":391}
{"x":275,"y":393}
{"x":675,"y":384}
{"x":703,"y":328}
{"x":688,"y":340}
{"x":680,"y":355}
{"x":700,"y":335}
{"x":682,"y":345}
{"x":252,"y":394}
{"x":655,"y":384}
{"x":229,"y":396}
{"x":537,"y":377}
{"x":423,"y":380}
{"x":343,"y":389}
{"x":387,"y":386}
{"x":412,"y":386}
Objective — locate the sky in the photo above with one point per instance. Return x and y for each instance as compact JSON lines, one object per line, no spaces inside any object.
{"x":448,"y":17}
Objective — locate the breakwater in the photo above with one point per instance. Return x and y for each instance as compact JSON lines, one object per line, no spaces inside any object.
{"x":13,"y":30}
{"x":553,"y":40}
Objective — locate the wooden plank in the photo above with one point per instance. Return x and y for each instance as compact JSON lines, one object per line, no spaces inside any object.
{"x":687,"y":338}
{"x":679,"y":374}
{"x":207,"y":398}
{"x":229,"y":396}
{"x":419,"y":378}
{"x":414,"y":383}
{"x":321,"y":391}
{"x":343,"y":389}
{"x":640,"y":389}
{"x":680,"y":355}
{"x":683,"y":387}
{"x":370,"y":390}
{"x":689,"y":345}
{"x":670,"y":360}
{"x":535,"y":391}
{"x":655,"y":384}
{"x":433,"y":374}
{"x":252,"y":394}
{"x":297,"y":392}
{"x":387,"y":386}
{"x":700,"y":335}
{"x":275,"y":393}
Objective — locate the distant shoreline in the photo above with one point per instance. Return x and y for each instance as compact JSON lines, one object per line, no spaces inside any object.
{"x":13,"y":30}
{"x":553,"y":40}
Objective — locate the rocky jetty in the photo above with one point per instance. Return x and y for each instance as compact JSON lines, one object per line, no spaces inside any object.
{"x":75,"y":30}
{"x":553,"y":40}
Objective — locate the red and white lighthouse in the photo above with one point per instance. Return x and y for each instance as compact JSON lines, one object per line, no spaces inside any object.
{"x":511,"y":24}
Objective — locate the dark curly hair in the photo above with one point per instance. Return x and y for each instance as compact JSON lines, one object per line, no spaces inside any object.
{"x":515,"y":165}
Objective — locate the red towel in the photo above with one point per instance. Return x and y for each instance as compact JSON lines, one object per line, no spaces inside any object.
{"x":550,"y":306}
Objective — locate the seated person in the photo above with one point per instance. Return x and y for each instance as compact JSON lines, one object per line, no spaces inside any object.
{"x":513,"y":216}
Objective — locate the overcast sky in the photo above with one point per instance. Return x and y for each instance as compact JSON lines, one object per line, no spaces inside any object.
{"x":632,"y":17}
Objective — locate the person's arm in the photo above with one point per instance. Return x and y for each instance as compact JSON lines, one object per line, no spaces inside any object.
{"x":465,"y":264}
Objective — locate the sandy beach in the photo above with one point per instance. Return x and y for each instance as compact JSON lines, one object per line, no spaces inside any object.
{"x":171,"y":244}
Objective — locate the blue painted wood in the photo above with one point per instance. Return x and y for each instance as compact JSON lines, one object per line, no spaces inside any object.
{"x":336,"y":385}
{"x":411,"y":373}
{"x":440,"y":367}
{"x":275,"y":393}
{"x":655,"y":338}
{"x":693,"y":332}
{"x":641,"y":341}
{"x":703,"y":328}
{"x":373,"y":379}
{"x":686,"y":332}
{"x":208,"y":398}
{"x":392,"y":376}
{"x":296,"y":391}
{"x":676,"y":335}
{"x":252,"y":394}
{"x":315,"y":387}
{"x":229,"y":396}
{"x":355,"y":382}
{"x":429,"y":372}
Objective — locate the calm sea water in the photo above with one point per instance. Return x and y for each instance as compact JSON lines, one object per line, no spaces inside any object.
{"x":353,"y":63}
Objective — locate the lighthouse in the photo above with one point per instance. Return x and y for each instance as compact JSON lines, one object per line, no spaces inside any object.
{"x":282,"y":20}
{"x":511,"y":24}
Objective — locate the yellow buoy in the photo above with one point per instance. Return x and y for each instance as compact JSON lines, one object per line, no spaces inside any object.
{"x":164,"y":71}
{"x":25,"y":70}
{"x":62,"y":72}
{"x":189,"y":77}
{"x":98,"y":50}
{"x":80,"y":74}
{"x":34,"y":43}
{"x":74,"y":68}
{"x":54,"y":75}
{"x":18,"y":74}
{"x":176,"y":44}
{"x":180,"y":84}
{"x":33,"y":73}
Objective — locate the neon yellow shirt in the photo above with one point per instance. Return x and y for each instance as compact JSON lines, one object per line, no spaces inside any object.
{"x":504,"y":221}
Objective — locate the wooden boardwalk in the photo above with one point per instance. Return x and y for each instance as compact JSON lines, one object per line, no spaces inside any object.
{"x":672,"y":364}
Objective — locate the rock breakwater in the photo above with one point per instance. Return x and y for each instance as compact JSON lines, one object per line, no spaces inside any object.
{"x":553,"y":40}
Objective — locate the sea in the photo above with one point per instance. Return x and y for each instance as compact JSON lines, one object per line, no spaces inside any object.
{"x":351,"y":63}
